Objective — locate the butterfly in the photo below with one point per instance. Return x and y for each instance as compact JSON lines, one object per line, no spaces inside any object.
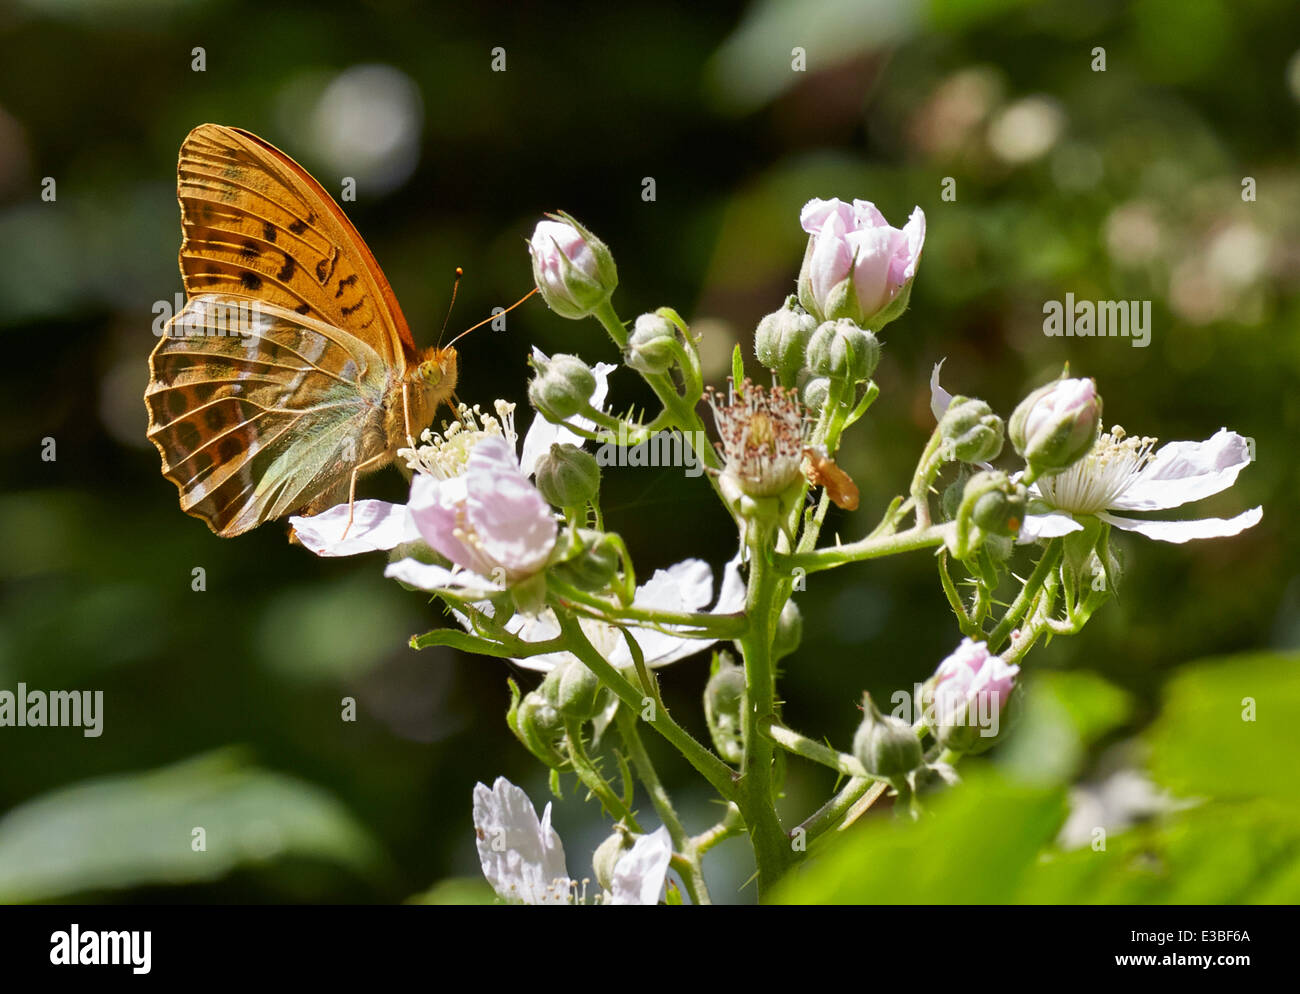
{"x":291,"y":370}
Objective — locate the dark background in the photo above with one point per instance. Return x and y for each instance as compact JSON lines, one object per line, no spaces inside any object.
{"x":1123,"y":184}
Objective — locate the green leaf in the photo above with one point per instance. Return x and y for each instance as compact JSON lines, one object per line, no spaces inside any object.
{"x":737,"y":366}
{"x":1228,"y":729}
{"x":973,"y":845}
{"x":1064,"y":713}
{"x":137,"y":829}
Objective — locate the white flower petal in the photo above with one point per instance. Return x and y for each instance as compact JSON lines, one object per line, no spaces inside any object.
{"x":432,"y":577}
{"x":640,"y":873}
{"x":939,"y":397}
{"x":1182,"y":472}
{"x":1179,"y":532}
{"x":1051,"y":525}
{"x":376,"y":527}
{"x":731,"y":598}
{"x":684,"y":586}
{"x":522,"y":858}
{"x":541,"y":628}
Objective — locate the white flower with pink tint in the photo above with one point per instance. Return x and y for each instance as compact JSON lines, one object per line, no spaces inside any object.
{"x":857,"y":266}
{"x":491,"y":520}
{"x":1128,"y":473}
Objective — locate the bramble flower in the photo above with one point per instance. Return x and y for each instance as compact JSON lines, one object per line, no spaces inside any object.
{"x":523,"y":859}
{"x":681,"y":588}
{"x":856,"y":265}
{"x":572,"y":268}
{"x":1122,"y":473}
{"x":490,"y":520}
{"x":967,"y":695}
{"x":762,"y":437}
{"x":445,"y":455}
{"x":1125,"y":474}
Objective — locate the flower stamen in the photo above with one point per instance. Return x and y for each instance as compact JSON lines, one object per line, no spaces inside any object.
{"x":1095,"y":482}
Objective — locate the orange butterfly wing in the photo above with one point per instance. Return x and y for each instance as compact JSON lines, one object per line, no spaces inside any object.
{"x":251,"y":427}
{"x":256,"y":224}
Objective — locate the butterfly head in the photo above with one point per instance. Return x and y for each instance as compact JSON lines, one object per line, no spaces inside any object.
{"x":437,"y":370}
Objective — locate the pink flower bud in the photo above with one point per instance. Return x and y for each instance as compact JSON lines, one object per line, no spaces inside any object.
{"x":970,"y":689}
{"x":856,"y":265}
{"x":572,"y":268}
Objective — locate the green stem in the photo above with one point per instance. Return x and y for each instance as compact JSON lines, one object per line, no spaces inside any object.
{"x":706,"y":625}
{"x":731,"y":824}
{"x":1051,"y":556}
{"x":801,"y":745}
{"x":713,"y":769}
{"x":872,"y":547}
{"x":772,"y":850}
{"x":691,"y":872}
{"x":591,"y":777}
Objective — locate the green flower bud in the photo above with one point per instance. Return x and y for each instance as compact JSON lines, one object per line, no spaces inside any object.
{"x":885,"y":746}
{"x":567,"y":476}
{"x":994,"y":503}
{"x":814,"y":392}
{"x":572,"y":268}
{"x":843,"y":351}
{"x":724,"y":707}
{"x":1056,"y":426}
{"x":537,"y":724}
{"x":578,"y":692}
{"x":607,"y":855}
{"x":970,"y":430}
{"x":562,"y":387}
{"x":789,"y":631}
{"x":652,"y":346}
{"x":590,"y":562}
{"x":781,"y":340}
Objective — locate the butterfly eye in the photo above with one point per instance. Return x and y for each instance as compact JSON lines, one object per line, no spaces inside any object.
{"x":431,"y":372}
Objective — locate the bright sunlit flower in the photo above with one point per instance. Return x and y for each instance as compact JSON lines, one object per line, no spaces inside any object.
{"x":490,"y":520}
{"x":523,"y":859}
{"x":762,"y":437}
{"x":445,"y":455}
{"x":1122,"y":473}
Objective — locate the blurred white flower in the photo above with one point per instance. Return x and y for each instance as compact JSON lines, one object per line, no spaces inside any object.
{"x":523,"y":859}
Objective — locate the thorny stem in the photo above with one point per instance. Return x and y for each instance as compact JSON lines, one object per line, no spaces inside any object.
{"x":692,"y":874}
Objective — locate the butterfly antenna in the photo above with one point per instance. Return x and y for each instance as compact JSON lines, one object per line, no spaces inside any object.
{"x":492,"y":317}
{"x":454,"y":287}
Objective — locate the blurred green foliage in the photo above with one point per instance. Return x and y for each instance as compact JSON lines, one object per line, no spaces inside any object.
{"x":1234,"y":838}
{"x":1117,"y":184}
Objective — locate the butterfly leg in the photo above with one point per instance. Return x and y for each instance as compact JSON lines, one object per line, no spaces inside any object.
{"x":406,"y":414}
{"x":374,"y":461}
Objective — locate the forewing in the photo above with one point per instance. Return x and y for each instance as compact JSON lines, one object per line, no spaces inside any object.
{"x":258,"y":411}
{"x":257,"y":225}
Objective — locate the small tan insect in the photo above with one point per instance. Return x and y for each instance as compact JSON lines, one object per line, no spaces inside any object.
{"x":821,"y":471}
